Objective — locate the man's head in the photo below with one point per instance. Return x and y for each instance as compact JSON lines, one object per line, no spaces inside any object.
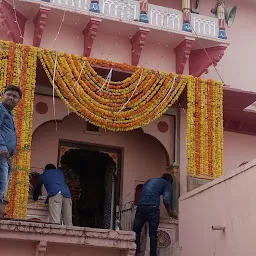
{"x":11,"y":97}
{"x":167,"y":177}
{"x":49,"y":167}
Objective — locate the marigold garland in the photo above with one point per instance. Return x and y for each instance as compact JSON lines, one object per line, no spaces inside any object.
{"x":18,"y":67}
{"x":119,"y":106}
{"x":104,"y":106}
{"x":205,"y":129}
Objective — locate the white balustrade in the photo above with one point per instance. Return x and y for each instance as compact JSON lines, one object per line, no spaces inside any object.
{"x":159,"y":17}
{"x":203,"y":25}
{"x":165,"y":18}
{"x":121,"y":9}
{"x":79,"y":5}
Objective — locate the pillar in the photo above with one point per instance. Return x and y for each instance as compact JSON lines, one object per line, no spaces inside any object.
{"x":221,"y":19}
{"x":143,"y":11}
{"x":186,"y":15}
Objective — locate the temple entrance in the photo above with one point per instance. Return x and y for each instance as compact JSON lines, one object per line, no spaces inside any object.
{"x":92,"y":178}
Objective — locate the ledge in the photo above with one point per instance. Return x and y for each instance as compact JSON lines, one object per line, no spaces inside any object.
{"x":37,"y":206}
{"x":29,"y":231}
{"x":217,"y":181}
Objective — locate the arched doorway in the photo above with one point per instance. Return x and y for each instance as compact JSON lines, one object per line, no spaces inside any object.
{"x":91,"y":177}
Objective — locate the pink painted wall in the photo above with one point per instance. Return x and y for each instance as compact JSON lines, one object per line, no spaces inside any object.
{"x":144,"y":156}
{"x":116,"y":48}
{"x":228,"y":201}
{"x":237,"y":66}
{"x":166,"y":139}
{"x":237,"y":149}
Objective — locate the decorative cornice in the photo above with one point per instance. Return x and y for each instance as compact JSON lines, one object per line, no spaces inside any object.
{"x":40,"y":22}
{"x":200,"y":61}
{"x":123,"y":240}
{"x":90,"y":32}
{"x":138,"y":42}
{"x":15,"y":30}
{"x":182,"y":52}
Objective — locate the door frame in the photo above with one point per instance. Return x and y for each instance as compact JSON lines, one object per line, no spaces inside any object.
{"x":106,"y":149}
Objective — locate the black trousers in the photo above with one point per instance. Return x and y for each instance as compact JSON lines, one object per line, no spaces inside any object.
{"x":150,"y":214}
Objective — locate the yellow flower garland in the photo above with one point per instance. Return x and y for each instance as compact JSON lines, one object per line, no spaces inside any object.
{"x":119,"y":106}
{"x":18,"y":67}
{"x":208,"y":163}
{"x":191,"y":165}
{"x":104,"y":106}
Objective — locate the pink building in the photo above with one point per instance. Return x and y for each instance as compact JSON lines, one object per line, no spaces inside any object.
{"x":156,"y":35}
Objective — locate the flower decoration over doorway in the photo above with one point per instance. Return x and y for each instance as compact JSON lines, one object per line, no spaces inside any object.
{"x":118,"y":106}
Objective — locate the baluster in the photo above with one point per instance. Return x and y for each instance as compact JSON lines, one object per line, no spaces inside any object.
{"x":186,"y":26}
{"x":84,"y":4}
{"x":79,"y":4}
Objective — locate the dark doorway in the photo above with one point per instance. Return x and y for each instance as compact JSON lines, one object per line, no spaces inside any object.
{"x":91,"y":177}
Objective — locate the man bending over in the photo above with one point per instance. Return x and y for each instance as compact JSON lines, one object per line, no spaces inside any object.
{"x":148,"y":209}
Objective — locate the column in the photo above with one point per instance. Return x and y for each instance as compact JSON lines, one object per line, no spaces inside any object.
{"x":221,"y":18}
{"x":143,"y":11}
{"x":186,"y":15}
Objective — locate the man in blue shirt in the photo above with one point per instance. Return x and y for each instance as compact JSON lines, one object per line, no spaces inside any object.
{"x":59,"y":196}
{"x":148,"y":209}
{"x":8,"y":137}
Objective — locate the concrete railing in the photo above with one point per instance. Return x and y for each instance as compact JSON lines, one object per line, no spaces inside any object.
{"x":159,"y":17}
{"x":81,"y":5}
{"x":204,"y":25}
{"x":165,"y":18}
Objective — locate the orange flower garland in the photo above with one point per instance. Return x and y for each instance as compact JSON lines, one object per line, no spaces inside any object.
{"x":118,"y":106}
{"x":210,"y":127}
{"x":197,"y":125}
{"x":19,"y":68}
{"x":104,"y":106}
{"x":191,"y":135}
{"x":205,"y":129}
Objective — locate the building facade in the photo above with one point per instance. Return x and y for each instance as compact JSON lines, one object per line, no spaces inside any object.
{"x":176,"y":36}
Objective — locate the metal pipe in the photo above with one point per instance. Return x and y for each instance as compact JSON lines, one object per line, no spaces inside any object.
{"x":221,"y":228}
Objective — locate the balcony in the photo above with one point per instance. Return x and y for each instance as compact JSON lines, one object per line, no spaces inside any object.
{"x":113,"y":22}
{"x":41,"y":239}
{"x":37,"y":212}
{"x":128,"y":11}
